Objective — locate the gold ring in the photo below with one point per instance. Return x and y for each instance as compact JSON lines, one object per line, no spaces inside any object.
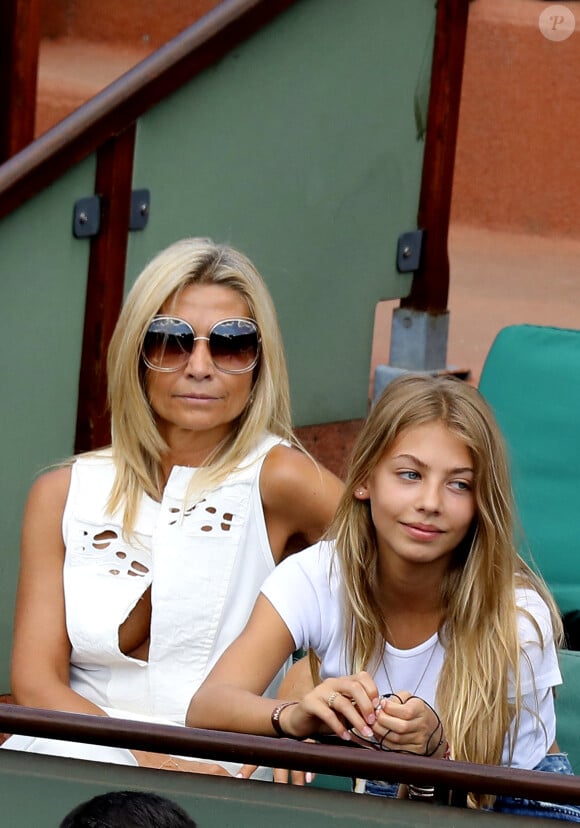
{"x":332,"y":698}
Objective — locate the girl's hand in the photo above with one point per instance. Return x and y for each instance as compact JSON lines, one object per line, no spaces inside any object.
{"x":406,"y":722}
{"x":334,"y":706}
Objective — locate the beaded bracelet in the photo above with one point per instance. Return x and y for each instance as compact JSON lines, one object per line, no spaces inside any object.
{"x":275,"y":717}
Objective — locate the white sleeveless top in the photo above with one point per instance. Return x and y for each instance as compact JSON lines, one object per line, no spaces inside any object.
{"x":205,"y":564}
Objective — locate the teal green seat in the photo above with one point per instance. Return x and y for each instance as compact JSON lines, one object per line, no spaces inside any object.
{"x":568,"y":707}
{"x":531,"y":378}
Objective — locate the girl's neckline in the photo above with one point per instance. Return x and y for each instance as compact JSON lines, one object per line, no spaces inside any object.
{"x":412,"y":651}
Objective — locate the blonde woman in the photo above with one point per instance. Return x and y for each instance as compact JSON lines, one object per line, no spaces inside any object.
{"x":141,"y":562}
{"x":434,"y":637}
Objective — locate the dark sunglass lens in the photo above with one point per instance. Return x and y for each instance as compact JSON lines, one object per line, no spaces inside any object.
{"x":168,"y":343}
{"x":234,"y":345}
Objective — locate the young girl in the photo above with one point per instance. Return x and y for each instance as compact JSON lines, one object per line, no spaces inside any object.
{"x":434,"y":637}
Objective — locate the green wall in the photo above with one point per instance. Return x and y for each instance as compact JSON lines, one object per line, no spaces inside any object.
{"x":39,"y":790}
{"x":42,"y":294}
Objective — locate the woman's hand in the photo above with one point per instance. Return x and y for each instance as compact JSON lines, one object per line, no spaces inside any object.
{"x":406,"y":722}
{"x":163,"y":761}
{"x":334,"y":706}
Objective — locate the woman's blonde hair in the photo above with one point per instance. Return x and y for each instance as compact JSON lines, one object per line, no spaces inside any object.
{"x":136,"y":443}
{"x":480,"y":620}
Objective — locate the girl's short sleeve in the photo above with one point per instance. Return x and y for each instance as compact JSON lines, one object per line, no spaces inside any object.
{"x":539,"y":667}
{"x":298,"y":589}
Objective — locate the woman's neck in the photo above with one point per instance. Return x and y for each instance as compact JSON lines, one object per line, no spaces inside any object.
{"x":190,"y":448}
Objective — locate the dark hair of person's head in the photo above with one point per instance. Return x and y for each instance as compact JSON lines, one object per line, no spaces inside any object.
{"x":128,"y":809}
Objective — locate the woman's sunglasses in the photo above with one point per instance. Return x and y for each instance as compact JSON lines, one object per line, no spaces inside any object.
{"x":234,"y":344}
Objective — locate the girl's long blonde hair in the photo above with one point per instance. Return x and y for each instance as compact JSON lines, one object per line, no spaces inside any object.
{"x":480,"y":619}
{"x":136,"y":443}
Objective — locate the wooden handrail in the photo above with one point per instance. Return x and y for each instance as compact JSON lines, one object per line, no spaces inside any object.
{"x":115,"y":108}
{"x":273,"y":752}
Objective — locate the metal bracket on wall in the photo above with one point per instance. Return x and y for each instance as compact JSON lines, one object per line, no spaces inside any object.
{"x":409,"y":251}
{"x":87,"y":217}
{"x":140,"y":207}
{"x":87,"y":214}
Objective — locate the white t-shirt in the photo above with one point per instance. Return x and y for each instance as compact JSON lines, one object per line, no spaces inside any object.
{"x":306,"y":592}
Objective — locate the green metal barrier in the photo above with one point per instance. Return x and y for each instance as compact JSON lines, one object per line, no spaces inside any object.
{"x":47,"y":780}
{"x":39,"y":790}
